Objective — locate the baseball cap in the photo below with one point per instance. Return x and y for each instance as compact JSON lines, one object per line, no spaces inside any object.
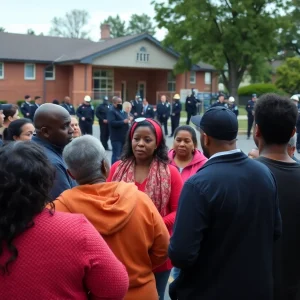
{"x":219,"y":123}
{"x":5,"y":106}
{"x":295,"y":98}
{"x":87,"y":98}
{"x":254,"y":96}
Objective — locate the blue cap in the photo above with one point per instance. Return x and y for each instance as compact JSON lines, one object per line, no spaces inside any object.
{"x":5,"y":106}
{"x":254,"y":96}
{"x":219,"y":123}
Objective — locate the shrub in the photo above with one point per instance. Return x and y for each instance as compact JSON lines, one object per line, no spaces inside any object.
{"x":259,"y":89}
{"x":19,"y":102}
{"x":3,"y":102}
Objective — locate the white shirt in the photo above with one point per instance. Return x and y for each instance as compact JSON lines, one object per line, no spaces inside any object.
{"x":225,"y":153}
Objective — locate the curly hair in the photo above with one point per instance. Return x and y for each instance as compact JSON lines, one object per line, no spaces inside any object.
{"x":26,"y":179}
{"x":161,"y":153}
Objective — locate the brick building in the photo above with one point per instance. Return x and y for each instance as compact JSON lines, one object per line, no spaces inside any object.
{"x":54,"y":67}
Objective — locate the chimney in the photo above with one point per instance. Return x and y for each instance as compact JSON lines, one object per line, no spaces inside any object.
{"x":105,"y":31}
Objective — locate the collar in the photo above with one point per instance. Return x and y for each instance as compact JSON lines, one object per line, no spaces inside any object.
{"x":46,"y":144}
{"x":225,"y":153}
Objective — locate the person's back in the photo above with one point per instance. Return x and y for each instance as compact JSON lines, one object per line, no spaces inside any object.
{"x":55,"y":258}
{"x":129,"y":223}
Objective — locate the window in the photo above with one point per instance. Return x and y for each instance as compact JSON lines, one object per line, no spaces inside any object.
{"x":29,"y":71}
{"x":1,"y":70}
{"x":171,"y":82}
{"x":50,"y":73}
{"x":193,"y":77}
{"x":207,"y":78}
{"x":142,"y":55}
{"x":103,"y":83}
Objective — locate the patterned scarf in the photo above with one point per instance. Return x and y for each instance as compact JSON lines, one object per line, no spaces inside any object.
{"x":158,"y":185}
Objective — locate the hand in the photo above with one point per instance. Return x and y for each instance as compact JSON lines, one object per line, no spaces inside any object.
{"x":83,"y":119}
{"x":142,"y":113}
{"x":131,"y":118}
{"x":126,"y":121}
{"x":135,"y":114}
{"x":27,"y":114}
{"x":173,"y":114}
{"x":105,"y":121}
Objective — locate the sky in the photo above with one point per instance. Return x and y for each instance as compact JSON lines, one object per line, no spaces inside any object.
{"x":18,"y":15}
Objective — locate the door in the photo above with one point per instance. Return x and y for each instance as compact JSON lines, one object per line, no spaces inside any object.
{"x":141,"y":89}
{"x":124,"y":91}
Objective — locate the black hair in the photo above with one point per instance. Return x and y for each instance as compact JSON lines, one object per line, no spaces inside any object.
{"x":15,"y":129}
{"x":26,"y":179}
{"x":55,"y":101}
{"x":276,"y":118}
{"x":161,"y":153}
{"x":37,"y":97}
{"x":26,"y":97}
{"x":10,"y":112}
{"x":189,"y":129}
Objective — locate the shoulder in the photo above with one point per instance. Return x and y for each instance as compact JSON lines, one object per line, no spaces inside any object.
{"x":175,"y":175}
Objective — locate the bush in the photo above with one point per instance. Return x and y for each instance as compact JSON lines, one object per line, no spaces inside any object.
{"x":20,"y":102}
{"x":3,"y":102}
{"x":259,"y":89}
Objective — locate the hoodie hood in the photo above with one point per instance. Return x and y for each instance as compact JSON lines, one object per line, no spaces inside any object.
{"x":108,"y":206}
{"x":197,"y":159}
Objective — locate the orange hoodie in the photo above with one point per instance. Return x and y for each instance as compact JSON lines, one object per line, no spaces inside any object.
{"x":130,"y":224}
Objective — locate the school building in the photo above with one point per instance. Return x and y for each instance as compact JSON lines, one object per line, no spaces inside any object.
{"x":55,"y":67}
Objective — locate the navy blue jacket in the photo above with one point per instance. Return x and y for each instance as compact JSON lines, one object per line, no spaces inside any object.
{"x":137,"y":107}
{"x":163,"y":111}
{"x":149,"y":113}
{"x":191,"y":104}
{"x":26,"y":109}
{"x":176,"y":109}
{"x":117,"y":128}
{"x":62,"y":179}
{"x":69,"y":107}
{"x":224,"y":232}
{"x":33,"y":109}
{"x":250,"y":108}
{"x":86,"y":111}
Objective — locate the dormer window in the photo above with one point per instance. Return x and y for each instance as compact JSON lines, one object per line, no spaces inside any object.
{"x":142,"y":55}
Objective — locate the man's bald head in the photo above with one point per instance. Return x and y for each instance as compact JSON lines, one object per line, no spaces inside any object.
{"x":52,"y":123}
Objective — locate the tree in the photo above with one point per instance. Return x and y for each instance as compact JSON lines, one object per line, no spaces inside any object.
{"x":2,"y":29}
{"x":117,"y":26}
{"x":232,"y":35}
{"x":30,"y":32}
{"x":288,"y":75}
{"x":73,"y":25}
{"x":140,"y":24}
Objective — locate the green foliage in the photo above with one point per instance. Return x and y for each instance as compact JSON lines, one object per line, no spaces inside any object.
{"x":3,"y":102}
{"x":2,"y":29}
{"x":117,"y":26}
{"x":232,"y":35}
{"x":261,"y":71}
{"x":288,"y":75}
{"x":30,"y":31}
{"x":72,"y":25}
{"x":259,"y":89}
{"x":140,"y":24}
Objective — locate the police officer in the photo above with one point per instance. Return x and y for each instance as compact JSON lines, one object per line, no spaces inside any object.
{"x":175,"y":116}
{"x":295,"y":98}
{"x":35,"y":106}
{"x":232,"y":106}
{"x":221,"y":101}
{"x":250,"y":113}
{"x":26,"y":107}
{"x":148,"y":111}
{"x":137,"y":107}
{"x":85,"y":114}
{"x":190,"y":106}
{"x":68,"y":106}
{"x":101,"y":113}
{"x":163,"y":113}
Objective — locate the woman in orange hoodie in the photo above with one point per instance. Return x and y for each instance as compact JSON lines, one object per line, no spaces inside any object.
{"x":126,"y":218}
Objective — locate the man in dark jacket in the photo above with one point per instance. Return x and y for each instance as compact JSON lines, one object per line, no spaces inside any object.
{"x":223,"y":237}
{"x":68,"y":106}
{"x":250,"y":113}
{"x":101,"y":113}
{"x":175,"y":116}
{"x":221,"y":101}
{"x":3,"y":107}
{"x":118,"y":127}
{"x":86,"y":114}
{"x":191,"y":106}
{"x":137,"y":107}
{"x":35,"y":106}
{"x":26,"y":107}
{"x":275,"y":119}
{"x":163,"y":113}
{"x":148,"y":111}
{"x":53,"y":132}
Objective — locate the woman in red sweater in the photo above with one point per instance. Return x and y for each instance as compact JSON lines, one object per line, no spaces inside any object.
{"x":47,"y":255}
{"x":145,"y":162}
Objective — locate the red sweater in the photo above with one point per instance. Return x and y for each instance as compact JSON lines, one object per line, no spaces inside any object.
{"x":62,"y":257}
{"x":169,"y":219}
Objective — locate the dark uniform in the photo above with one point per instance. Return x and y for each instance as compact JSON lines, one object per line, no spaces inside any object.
{"x":250,"y":112}
{"x":234,"y":108}
{"x":33,"y":108}
{"x":101,"y":113}
{"x":190,"y":107}
{"x":298,"y":131}
{"x":148,"y":112}
{"x":86,"y":111}
{"x":69,"y":107}
{"x":137,"y":108}
{"x":26,"y":110}
{"x":218,"y":103}
{"x":163,"y":114}
{"x":175,"y":117}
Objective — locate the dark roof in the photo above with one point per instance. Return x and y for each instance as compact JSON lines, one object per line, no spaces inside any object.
{"x":31,"y":48}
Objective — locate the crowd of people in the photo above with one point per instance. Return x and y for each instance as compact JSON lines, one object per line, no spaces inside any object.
{"x":74,"y":226}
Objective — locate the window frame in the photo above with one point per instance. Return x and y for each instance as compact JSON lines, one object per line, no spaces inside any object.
{"x":53,"y":73}
{"x":2,"y":68}
{"x":34,"y":71}
{"x":210,"y":78}
{"x":171,"y":81}
{"x":195,"y":75}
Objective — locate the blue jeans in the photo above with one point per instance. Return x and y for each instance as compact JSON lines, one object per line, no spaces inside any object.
{"x":161,"y":279}
{"x":116,"y":151}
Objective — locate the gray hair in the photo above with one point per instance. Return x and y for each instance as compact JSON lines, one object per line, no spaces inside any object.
{"x":83,"y":157}
{"x":292,"y":141}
